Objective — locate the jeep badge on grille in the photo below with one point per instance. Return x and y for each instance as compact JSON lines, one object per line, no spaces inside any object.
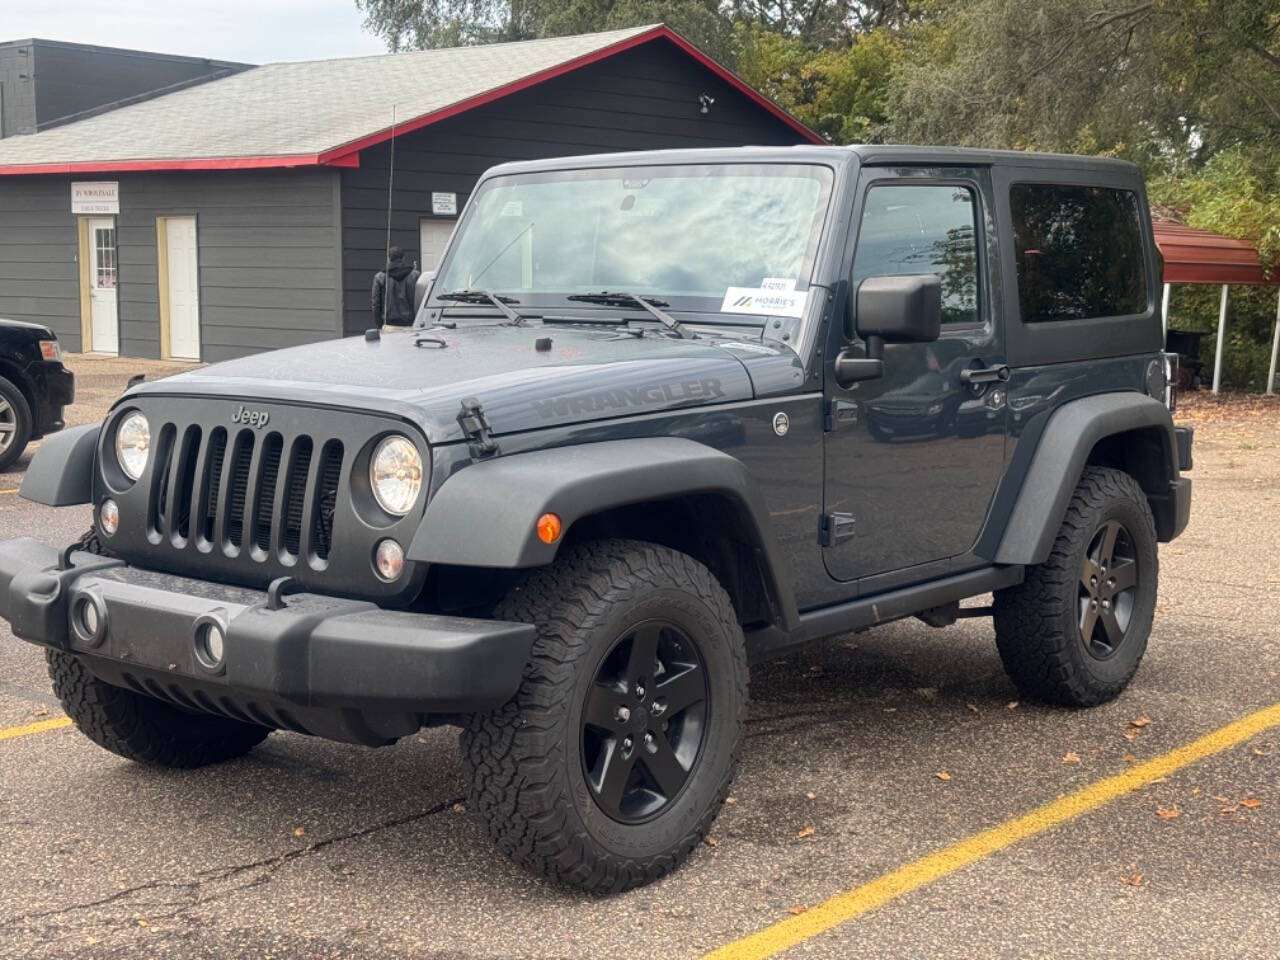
{"x":253,"y":418}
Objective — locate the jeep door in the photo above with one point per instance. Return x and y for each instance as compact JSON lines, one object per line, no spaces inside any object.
{"x":914,"y":455}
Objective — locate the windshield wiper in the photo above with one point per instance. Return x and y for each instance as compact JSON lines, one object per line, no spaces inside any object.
{"x":621,"y":299}
{"x":485,"y":296}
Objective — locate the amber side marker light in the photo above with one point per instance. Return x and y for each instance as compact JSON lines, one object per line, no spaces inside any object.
{"x":549,"y":528}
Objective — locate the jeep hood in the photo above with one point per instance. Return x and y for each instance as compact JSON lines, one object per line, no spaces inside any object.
{"x":588,"y":373}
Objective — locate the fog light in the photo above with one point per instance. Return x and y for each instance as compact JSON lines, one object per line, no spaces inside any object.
{"x":89,"y":618}
{"x":109,"y":517}
{"x":210,"y":644}
{"x":388,"y":559}
{"x":549,"y":528}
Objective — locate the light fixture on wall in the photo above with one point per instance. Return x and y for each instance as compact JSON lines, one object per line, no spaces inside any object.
{"x":705,"y":101}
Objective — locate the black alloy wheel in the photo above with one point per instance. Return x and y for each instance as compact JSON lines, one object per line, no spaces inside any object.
{"x":1107,"y":589}
{"x":644,"y":721}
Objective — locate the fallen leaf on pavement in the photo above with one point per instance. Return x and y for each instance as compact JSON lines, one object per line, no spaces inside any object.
{"x":1134,"y":881}
{"x":1168,"y":813}
{"x":1129,"y":758}
{"x":299,"y":831}
{"x":972,"y":706}
{"x":1071,"y":758}
{"x":710,"y":840}
{"x":890,"y":709}
{"x":42,"y":712}
{"x":730,"y":799}
{"x":796,"y":911}
{"x":1131,"y":733}
{"x":1011,"y":705}
{"x":1140,"y":722}
{"x":1231,"y":809}
{"x":459,"y":808}
{"x":943,"y":775}
{"x":811,"y":795}
{"x":1222,"y":799}
{"x":1259,"y":752}
{"x":805,"y":833}
{"x":1251,"y":803}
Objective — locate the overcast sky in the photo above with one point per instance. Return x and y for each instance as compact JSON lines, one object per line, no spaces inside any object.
{"x":253,"y":31}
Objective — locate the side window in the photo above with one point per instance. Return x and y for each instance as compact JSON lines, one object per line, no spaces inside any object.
{"x":925,"y":228}
{"x":1079,"y":252}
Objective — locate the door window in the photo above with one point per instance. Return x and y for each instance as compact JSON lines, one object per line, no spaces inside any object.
{"x":104,"y":258}
{"x":926,"y":228}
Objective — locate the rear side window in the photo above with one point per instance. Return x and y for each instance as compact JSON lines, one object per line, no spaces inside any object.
{"x":1079,"y":252}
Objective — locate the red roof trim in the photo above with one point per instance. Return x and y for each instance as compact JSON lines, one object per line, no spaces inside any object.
{"x":347,"y":155}
{"x":662,"y":31}
{"x":197,"y":163}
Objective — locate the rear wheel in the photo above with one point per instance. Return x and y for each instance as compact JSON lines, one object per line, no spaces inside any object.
{"x":15,"y":423}
{"x":142,"y":728}
{"x":1074,"y":631}
{"x":609,"y":765}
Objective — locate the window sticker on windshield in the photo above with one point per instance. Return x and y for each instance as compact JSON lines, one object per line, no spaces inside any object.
{"x":758,"y":300}
{"x":512,"y":208}
{"x":778,"y":283}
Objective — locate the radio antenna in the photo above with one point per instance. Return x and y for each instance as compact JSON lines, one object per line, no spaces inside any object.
{"x":391,"y":179}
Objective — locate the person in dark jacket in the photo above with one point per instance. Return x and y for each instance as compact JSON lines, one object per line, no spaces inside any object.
{"x":392,"y":298}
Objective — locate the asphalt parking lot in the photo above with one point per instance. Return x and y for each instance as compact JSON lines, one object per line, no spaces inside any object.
{"x":866,"y":756}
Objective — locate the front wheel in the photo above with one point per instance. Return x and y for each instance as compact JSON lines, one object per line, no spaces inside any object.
{"x":610,"y":763}
{"x":1074,"y":631}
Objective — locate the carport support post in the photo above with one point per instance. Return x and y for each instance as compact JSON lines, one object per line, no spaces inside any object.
{"x":1275,"y":348}
{"x":1222,"y":329}
{"x":1164,"y":308}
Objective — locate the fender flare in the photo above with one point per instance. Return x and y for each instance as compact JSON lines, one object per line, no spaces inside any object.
{"x":484,"y":515}
{"x":1057,"y":461}
{"x":61,"y":471}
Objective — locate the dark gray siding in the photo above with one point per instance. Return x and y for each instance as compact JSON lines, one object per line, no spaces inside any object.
{"x":39,"y":275}
{"x":268,"y":257}
{"x":17,"y":90}
{"x":643,"y":99}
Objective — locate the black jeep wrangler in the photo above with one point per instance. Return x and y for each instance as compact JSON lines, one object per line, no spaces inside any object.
{"x":661,"y":415}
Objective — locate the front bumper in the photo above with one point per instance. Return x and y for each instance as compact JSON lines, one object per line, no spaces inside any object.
{"x":342,"y":669}
{"x":55,"y":388}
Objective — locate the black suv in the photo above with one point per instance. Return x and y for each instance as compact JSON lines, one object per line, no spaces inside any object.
{"x":34,"y":387}
{"x":661,"y":415}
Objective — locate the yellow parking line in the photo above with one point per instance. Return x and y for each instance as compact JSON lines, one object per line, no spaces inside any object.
{"x":847,"y":906}
{"x":42,"y":726}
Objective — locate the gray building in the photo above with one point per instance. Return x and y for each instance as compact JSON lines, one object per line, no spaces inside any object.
{"x":44,"y":83}
{"x":251,"y":212}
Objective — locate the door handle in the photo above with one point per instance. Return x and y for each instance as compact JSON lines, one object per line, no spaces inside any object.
{"x":994,"y":374}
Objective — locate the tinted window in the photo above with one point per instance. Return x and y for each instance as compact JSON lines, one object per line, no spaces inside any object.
{"x":922,"y":229}
{"x":1079,"y":252}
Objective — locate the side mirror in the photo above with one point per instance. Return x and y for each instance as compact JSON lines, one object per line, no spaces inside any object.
{"x":900,"y":309}
{"x":905,"y":309}
{"x":422,"y":288}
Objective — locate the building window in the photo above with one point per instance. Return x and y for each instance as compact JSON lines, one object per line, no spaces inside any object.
{"x":104,"y":261}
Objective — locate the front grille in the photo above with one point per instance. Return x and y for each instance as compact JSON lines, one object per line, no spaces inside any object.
{"x":243,"y":493}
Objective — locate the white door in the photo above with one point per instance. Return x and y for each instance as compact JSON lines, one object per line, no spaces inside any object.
{"x":184,"y":288}
{"x":434,"y":234}
{"x":103,"y":274}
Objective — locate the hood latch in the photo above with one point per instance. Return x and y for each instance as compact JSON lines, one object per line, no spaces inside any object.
{"x":476,"y":428}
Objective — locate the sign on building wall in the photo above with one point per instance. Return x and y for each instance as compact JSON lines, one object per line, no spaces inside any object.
{"x":444,"y":204}
{"x":101,"y":196}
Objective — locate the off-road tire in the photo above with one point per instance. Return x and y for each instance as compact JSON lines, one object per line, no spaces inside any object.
{"x":526,"y":768}
{"x":22,"y":422}
{"x":142,"y":728}
{"x":1036,"y":622}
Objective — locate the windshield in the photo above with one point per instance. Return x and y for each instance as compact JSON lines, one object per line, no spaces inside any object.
{"x":722,"y":238}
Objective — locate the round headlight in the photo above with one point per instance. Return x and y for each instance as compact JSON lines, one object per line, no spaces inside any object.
{"x":395,"y":473}
{"x":133,"y":444}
